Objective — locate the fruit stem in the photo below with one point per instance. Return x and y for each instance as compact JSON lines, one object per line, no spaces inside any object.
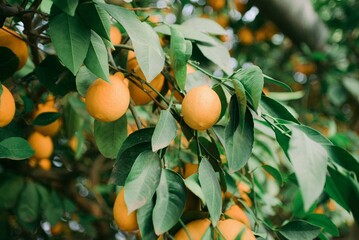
{"x":135,"y":116}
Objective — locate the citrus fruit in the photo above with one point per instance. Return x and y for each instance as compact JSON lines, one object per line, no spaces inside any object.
{"x":236,"y":213}
{"x":52,"y":128}
{"x":231,"y":229}
{"x":201,"y":107}
{"x":115,"y":35}
{"x":106,"y":101}
{"x":44,"y":164}
{"x":124,"y":221}
{"x":42,"y":145}
{"x":13,"y":41}
{"x":189,"y":169}
{"x":246,"y":36}
{"x":57,"y":229}
{"x":196,"y":229}
{"x":137,"y":89}
{"x":216,"y":4}
{"x":73,"y":143}
{"x":7,"y":107}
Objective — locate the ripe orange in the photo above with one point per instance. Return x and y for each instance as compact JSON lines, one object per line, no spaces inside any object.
{"x":245,"y":36}
{"x":240,"y":6}
{"x":57,"y":229}
{"x":236,"y":213}
{"x":124,"y":221}
{"x":73,"y":143}
{"x":107,"y":102}
{"x":52,"y":128}
{"x":42,"y":145}
{"x":45,"y":164}
{"x":189,"y":169}
{"x":201,"y":107}
{"x":231,"y":229}
{"x":196,"y":229}
{"x":13,"y":41}
{"x":216,"y":4}
{"x":115,"y":35}
{"x":7,"y":107}
{"x":243,"y":190}
{"x":131,"y":60}
{"x":138,"y":95}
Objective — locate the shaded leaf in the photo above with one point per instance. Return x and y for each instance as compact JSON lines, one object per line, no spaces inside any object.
{"x":15,"y":148}
{"x":67,"y":6}
{"x":84,"y":79}
{"x":10,"y":189}
{"x":142,"y":181}
{"x":144,"y":219}
{"x":192,"y":183}
{"x":242,"y":102}
{"x":275,"y":173}
{"x":211,"y":190}
{"x":109,"y":136}
{"x":165,"y":131}
{"x":170,"y":201}
{"x":46,"y":118}
{"x":9,"y":63}
{"x":300,"y":230}
{"x":323,"y":221}
{"x":28,"y":207}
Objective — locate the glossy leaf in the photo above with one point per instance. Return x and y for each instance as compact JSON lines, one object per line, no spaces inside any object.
{"x":211,"y":190}
{"x":252,"y":80}
{"x":96,"y":18}
{"x":109,"y":136}
{"x":238,"y":145}
{"x":142,"y":181}
{"x":68,"y":6}
{"x":145,"y":41}
{"x":136,"y":143}
{"x":309,"y":160}
{"x":70,"y":37}
{"x":179,"y":57}
{"x":324,"y":222}
{"x":46,"y":118}
{"x":15,"y":148}
{"x":165,"y":131}
{"x":170,"y":201}
{"x":144,"y":219}
{"x":299,"y":230}
{"x":84,"y":79}
{"x":96,"y":59}
{"x":205,"y":25}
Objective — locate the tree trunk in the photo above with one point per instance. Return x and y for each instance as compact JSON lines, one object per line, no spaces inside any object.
{"x":296,"y":19}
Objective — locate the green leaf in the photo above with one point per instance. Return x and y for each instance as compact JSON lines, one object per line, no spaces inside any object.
{"x":343,"y":158}
{"x":9,"y":63}
{"x":309,"y":160}
{"x":252,"y":80}
{"x":211,"y":190}
{"x":50,"y":204}
{"x":238,"y":145}
{"x":136,"y":143}
{"x":142,"y":181}
{"x":242,"y":102}
{"x":179,"y":57}
{"x":145,"y":41}
{"x":96,"y":59}
{"x":15,"y":148}
{"x":218,"y":54}
{"x":192,"y":183}
{"x":109,"y":136}
{"x":222,"y":96}
{"x":165,"y":131}
{"x":323,"y":221}
{"x":10,"y":189}
{"x":144,"y":219}
{"x":313,"y":134}
{"x":55,"y":77}
{"x":275,"y":173}
{"x":70,"y":37}
{"x":170,"y":201}
{"x":300,"y":230}
{"x":28,"y":206}
{"x":205,"y":25}
{"x":279,"y":83}
{"x":46,"y":118}
{"x":96,"y":18}
{"x":84,"y":79}
{"x":331,"y":189}
{"x":276,"y":109}
{"x":67,"y":6}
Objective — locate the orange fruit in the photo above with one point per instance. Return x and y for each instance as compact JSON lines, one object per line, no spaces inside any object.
{"x":106,"y":101}
{"x":223,"y":20}
{"x":13,"y":41}
{"x":189,"y":169}
{"x":216,"y":4}
{"x":115,"y":35}
{"x":240,"y":6}
{"x":7,"y":107}
{"x":236,"y":213}
{"x":42,"y":145}
{"x":45,"y":164}
{"x":196,"y":229}
{"x":231,"y":229}
{"x":124,"y":221}
{"x":73,"y":143}
{"x":245,"y":36}
{"x":52,"y":128}
{"x":131,"y":60}
{"x":138,"y":95}
{"x":243,"y":190}
{"x":57,"y":229}
{"x":201,"y":107}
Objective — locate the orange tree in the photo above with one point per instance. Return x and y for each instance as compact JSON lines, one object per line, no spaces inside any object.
{"x":192,"y":145}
